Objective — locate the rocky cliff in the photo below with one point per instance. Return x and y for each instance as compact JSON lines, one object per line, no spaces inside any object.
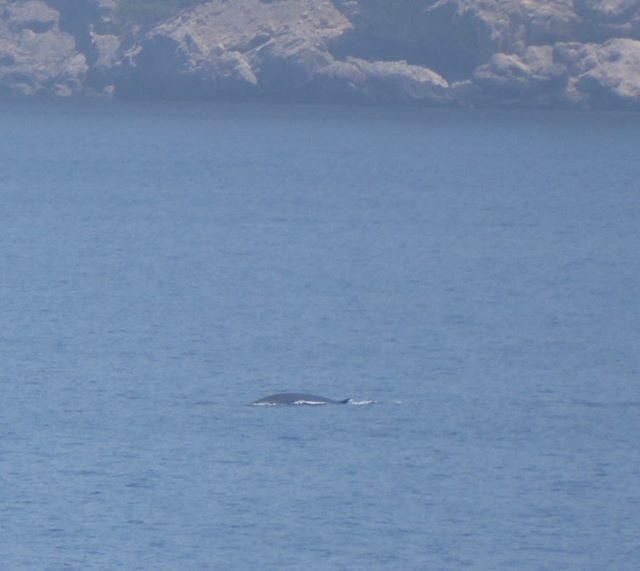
{"x":534,"y":53}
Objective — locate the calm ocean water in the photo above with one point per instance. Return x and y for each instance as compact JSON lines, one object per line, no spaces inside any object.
{"x":475,"y":273}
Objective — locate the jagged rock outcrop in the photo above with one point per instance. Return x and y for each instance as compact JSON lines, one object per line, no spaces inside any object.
{"x":222,"y":49}
{"x":603,"y":75}
{"x":280,"y":49}
{"x":536,"y":53}
{"x":92,"y":25}
{"x":455,"y":36}
{"x":36,"y":56}
{"x":606,"y":19}
{"x":566,"y":74}
{"x":379,"y":82}
{"x":534,"y":77}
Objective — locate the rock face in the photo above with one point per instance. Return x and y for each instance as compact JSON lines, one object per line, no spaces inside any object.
{"x":36,"y":56}
{"x":379,"y":82}
{"x":221,"y":48}
{"x":606,"y":19}
{"x":533,"y":77}
{"x":269,"y":50}
{"x":96,"y":35}
{"x":535,"y":53}
{"x":455,"y":36}
{"x":603,"y":75}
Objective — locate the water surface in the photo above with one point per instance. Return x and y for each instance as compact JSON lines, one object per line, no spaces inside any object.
{"x":475,"y":273}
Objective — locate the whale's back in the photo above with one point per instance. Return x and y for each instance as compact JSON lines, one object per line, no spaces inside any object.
{"x":297,"y":399}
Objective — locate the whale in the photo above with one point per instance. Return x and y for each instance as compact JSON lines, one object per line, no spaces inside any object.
{"x":296,"y":399}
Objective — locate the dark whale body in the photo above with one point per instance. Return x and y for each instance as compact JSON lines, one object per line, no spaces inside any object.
{"x":297,"y":398}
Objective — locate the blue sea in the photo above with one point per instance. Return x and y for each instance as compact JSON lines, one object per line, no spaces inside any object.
{"x":475,"y":273}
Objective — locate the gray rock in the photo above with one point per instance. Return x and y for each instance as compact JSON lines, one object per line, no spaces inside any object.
{"x":280,"y":50}
{"x":580,"y":53}
{"x":36,"y":56}
{"x":31,"y":15}
{"x":104,"y":52}
{"x":602,"y":75}
{"x":77,"y":18}
{"x":92,"y":25}
{"x":380,"y":82}
{"x":287,"y":65}
{"x":445,"y":36}
{"x":184,"y":67}
{"x":453,"y":37}
{"x":606,"y":19}
{"x":534,"y":78}
{"x":223,"y":49}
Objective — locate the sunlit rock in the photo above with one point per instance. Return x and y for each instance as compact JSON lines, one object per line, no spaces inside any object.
{"x":603,"y":75}
{"x":36,"y":56}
